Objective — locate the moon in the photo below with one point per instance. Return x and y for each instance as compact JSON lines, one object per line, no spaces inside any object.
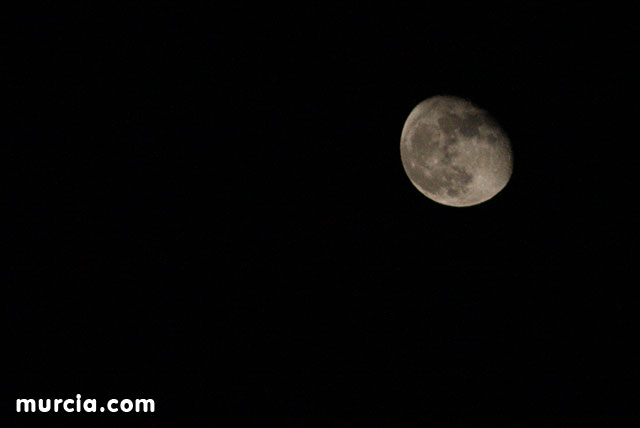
{"x":454,"y":152}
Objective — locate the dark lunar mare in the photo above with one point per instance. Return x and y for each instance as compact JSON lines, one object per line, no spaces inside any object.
{"x":446,"y":176}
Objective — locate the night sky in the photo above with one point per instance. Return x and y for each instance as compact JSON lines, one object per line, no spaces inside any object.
{"x":208,"y":208}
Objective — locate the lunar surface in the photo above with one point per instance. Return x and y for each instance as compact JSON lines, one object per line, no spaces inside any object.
{"x":454,"y":152}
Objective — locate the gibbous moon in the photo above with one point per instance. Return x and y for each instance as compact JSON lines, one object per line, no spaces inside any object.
{"x":454,"y":152}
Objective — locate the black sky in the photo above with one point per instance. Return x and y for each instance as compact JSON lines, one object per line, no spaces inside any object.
{"x":208,"y":208}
